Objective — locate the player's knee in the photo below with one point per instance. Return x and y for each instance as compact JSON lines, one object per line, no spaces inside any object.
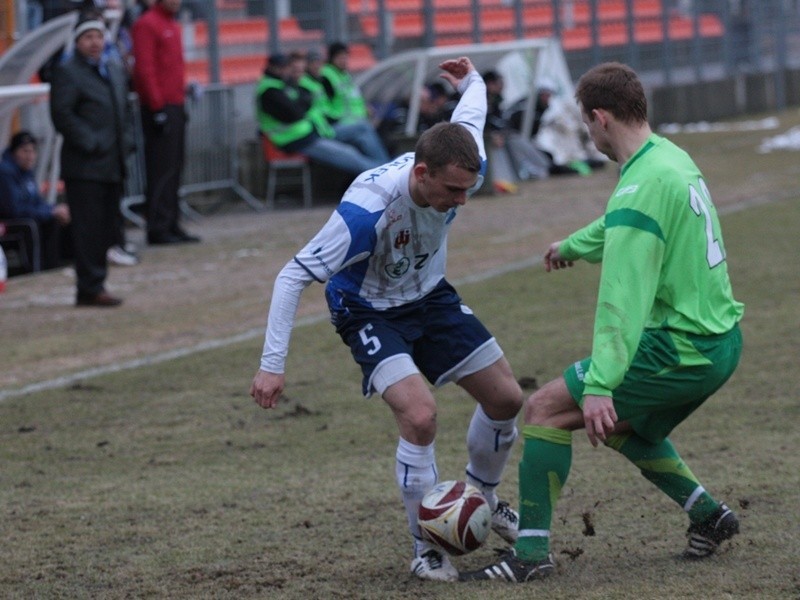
{"x":511,"y":398}
{"x":420,"y":424}
{"x":552,"y":406}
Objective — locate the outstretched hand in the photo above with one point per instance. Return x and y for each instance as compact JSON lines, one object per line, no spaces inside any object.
{"x":553,"y":260}
{"x":456,"y":69}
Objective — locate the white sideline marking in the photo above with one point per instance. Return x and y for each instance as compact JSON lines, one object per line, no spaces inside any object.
{"x":155,"y":359}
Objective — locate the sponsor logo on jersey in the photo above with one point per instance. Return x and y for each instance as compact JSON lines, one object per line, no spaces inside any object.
{"x":398,"y":162}
{"x":628,"y":189}
{"x":402,"y":238}
{"x":398,"y":269}
{"x":321,"y":262}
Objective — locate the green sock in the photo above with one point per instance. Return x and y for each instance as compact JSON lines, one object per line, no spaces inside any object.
{"x":544,"y":467}
{"x":662,"y":465}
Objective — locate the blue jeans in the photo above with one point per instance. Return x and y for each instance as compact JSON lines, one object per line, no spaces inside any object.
{"x":340,"y":156}
{"x":363,"y":136}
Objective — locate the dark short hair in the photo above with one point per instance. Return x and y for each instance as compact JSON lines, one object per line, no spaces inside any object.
{"x":614,"y":87}
{"x":491,"y":76}
{"x":277,"y":60}
{"x":21,"y":138}
{"x":447,"y":144}
{"x":335,"y":49}
{"x":437,"y":90}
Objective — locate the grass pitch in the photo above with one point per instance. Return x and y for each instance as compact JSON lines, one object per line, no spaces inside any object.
{"x":168,"y":482}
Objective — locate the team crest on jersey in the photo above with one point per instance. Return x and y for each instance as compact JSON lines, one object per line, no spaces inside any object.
{"x":402,"y":238}
{"x":398,"y":269}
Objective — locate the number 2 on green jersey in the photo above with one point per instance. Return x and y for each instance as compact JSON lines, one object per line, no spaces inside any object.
{"x":700,"y":201}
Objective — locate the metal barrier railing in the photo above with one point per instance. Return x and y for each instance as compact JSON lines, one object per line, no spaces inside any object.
{"x":211,"y":161}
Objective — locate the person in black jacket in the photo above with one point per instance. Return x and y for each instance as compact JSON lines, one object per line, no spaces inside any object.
{"x":88,"y":105}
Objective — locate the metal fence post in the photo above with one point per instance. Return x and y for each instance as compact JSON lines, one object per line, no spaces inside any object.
{"x":476,"y":27}
{"x":666,"y":46}
{"x":781,"y":49}
{"x":429,"y":38}
{"x":213,"y":42}
{"x":271,"y":10}
{"x":519,"y":25}
{"x":594,"y":28}
{"x":385,"y":31}
{"x":633,"y":47}
{"x":697,"y":59}
{"x":557,"y":21}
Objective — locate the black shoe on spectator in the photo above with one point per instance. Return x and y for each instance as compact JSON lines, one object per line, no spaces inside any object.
{"x":157,"y":239}
{"x":185,"y":237}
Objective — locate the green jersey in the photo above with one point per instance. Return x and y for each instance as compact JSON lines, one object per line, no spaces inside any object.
{"x":663,"y":263}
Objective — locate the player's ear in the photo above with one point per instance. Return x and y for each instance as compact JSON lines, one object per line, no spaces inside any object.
{"x":419,"y":170}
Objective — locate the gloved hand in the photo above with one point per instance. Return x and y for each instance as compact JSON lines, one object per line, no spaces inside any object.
{"x":159,"y":121}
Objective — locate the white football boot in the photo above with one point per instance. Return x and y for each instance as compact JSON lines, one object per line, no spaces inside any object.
{"x":434,"y":565}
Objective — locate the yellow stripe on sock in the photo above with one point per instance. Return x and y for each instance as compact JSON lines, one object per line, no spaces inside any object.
{"x":548,"y":434}
{"x":616,"y":440}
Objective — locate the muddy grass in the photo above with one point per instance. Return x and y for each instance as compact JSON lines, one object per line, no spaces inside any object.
{"x":182,"y":296}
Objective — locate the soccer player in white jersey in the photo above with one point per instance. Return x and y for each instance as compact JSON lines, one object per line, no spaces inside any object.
{"x":382,"y":254}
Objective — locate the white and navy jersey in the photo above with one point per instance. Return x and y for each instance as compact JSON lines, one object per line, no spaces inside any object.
{"x":379,"y":249}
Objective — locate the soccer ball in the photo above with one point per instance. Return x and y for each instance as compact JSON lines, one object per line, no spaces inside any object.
{"x":455,"y":516}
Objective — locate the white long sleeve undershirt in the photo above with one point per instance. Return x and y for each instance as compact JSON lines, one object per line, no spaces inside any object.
{"x":289,"y":286}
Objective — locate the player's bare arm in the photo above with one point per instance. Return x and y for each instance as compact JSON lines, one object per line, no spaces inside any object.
{"x":599,"y":417}
{"x":266,"y":388}
{"x":553,"y":260}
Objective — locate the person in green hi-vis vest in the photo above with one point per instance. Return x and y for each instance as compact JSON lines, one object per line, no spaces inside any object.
{"x":344,"y":106}
{"x":288,"y":116}
{"x":666,"y":333}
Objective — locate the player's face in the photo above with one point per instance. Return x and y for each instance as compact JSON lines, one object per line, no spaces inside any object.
{"x":446,"y":189}
{"x":90,"y":44}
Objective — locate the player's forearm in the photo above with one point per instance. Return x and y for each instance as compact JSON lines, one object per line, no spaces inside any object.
{"x":624,"y":301}
{"x":471,"y":108}
{"x":289,"y":286}
{"x":586,"y":243}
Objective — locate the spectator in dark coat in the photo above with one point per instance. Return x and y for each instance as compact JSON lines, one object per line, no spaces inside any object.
{"x":20,"y":197}
{"x":88,"y":105}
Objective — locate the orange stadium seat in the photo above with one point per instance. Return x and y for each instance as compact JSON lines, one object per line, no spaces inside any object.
{"x":254,"y":30}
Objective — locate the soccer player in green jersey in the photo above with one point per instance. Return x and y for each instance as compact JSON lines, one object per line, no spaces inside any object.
{"x":666,"y":334}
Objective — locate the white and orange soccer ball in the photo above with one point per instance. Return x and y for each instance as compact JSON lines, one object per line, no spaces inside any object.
{"x":455,"y":516}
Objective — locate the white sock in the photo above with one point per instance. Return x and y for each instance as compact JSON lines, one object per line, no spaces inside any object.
{"x":489,"y":444}
{"x":416,"y":474}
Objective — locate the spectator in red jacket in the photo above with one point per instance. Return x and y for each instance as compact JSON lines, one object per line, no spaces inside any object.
{"x":159,"y":77}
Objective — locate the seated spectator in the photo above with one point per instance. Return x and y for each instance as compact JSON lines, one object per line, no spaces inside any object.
{"x":356,"y":131}
{"x":435,"y":105}
{"x":288,"y":116}
{"x":20,"y":198}
{"x":559,"y":133}
{"x":345,"y":104}
{"x":512,"y":157}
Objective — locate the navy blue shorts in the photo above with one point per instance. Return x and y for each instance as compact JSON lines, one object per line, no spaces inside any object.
{"x":437,"y":331}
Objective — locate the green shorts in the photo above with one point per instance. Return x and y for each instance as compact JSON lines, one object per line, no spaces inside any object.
{"x":672,"y":374}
